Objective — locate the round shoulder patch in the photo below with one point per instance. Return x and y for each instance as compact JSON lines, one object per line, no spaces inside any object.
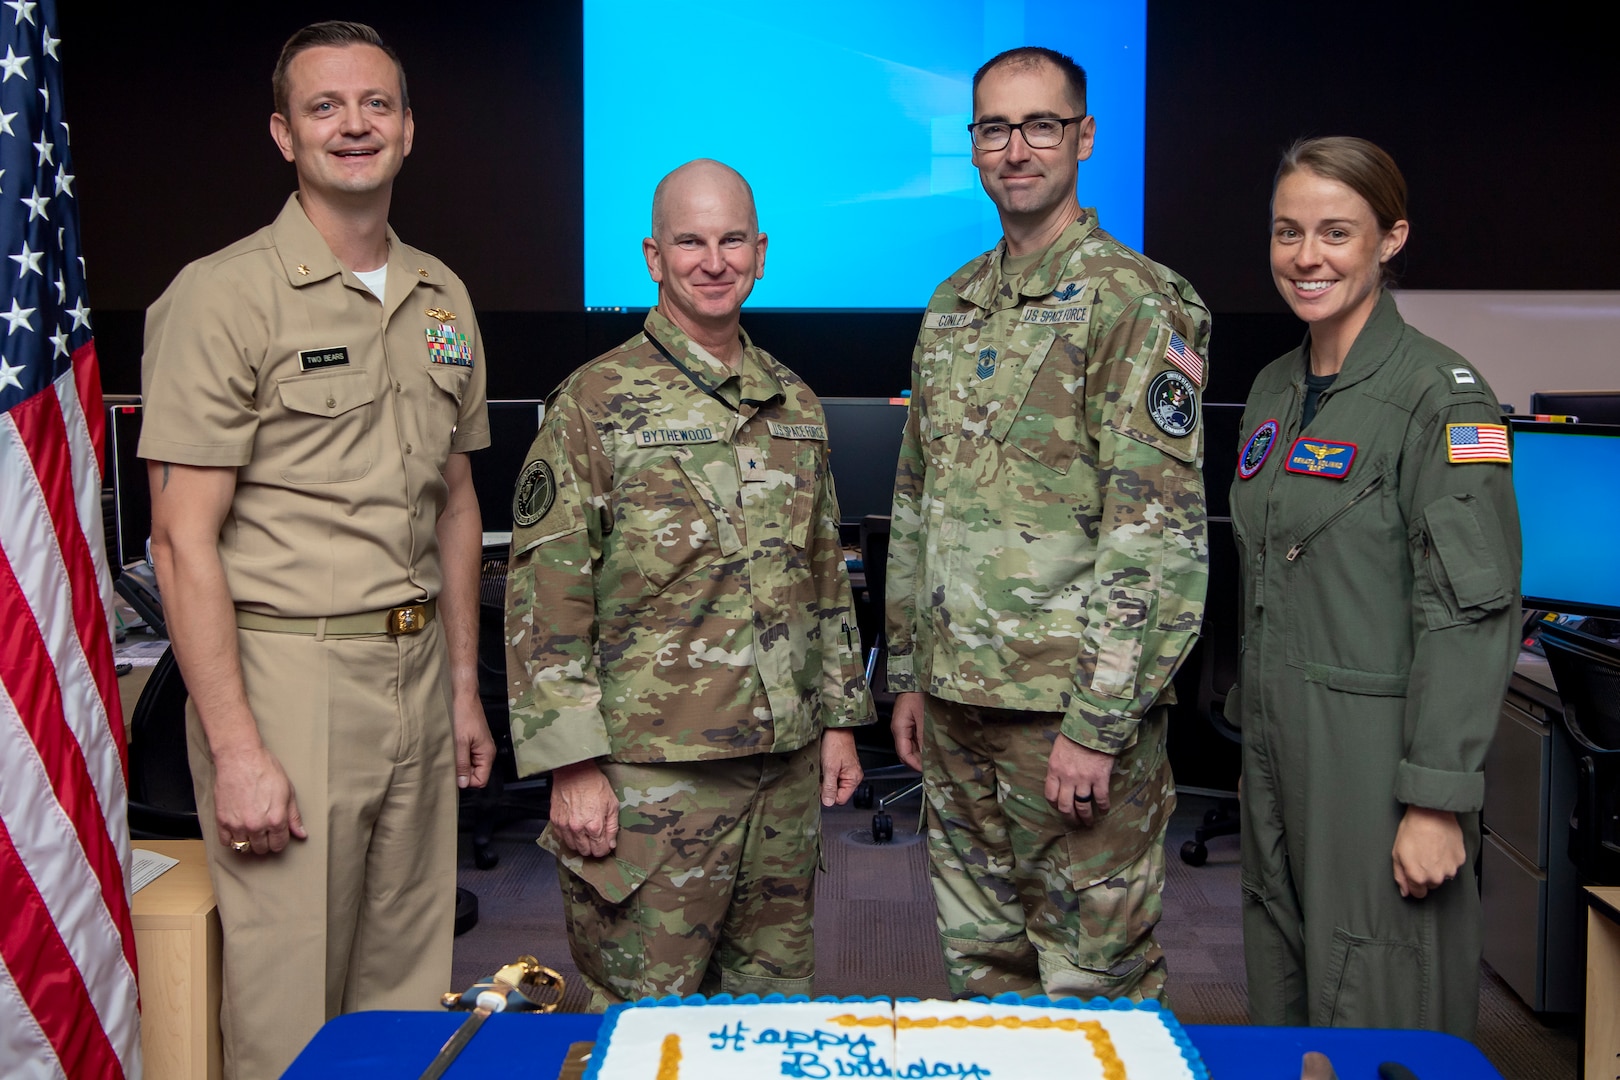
{"x":1257,"y":449}
{"x":1172,"y":401}
{"x":536,"y":491}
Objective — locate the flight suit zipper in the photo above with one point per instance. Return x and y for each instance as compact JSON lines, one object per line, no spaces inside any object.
{"x":1299,"y":545}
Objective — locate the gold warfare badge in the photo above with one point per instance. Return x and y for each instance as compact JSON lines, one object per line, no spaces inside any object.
{"x":536,"y":491}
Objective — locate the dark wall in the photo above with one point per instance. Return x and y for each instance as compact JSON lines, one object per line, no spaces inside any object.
{"x":1505,"y":133}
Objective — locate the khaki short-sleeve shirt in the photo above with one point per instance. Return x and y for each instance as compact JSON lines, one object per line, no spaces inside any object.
{"x":339,"y":413}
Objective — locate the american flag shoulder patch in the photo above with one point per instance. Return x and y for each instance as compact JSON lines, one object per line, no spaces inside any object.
{"x":1468,"y":443}
{"x":1182,"y":357}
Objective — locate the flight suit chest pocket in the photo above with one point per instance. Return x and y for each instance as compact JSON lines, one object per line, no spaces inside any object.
{"x":664,"y":524}
{"x":327,"y":435}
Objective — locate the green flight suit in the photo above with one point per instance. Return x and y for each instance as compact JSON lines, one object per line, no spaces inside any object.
{"x":1381,"y":615}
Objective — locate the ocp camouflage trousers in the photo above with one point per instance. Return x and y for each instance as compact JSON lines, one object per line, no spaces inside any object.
{"x":711,"y":888}
{"x":1030,"y":901}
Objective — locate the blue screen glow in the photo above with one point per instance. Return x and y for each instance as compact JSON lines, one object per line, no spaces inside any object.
{"x":848,"y":118}
{"x":1569,"y":516}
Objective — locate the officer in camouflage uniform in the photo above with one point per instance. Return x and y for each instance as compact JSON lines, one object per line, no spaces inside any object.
{"x":1047,"y":565}
{"x":681,"y":642}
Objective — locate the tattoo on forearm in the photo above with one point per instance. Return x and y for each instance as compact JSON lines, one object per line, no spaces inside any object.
{"x":165,"y":486}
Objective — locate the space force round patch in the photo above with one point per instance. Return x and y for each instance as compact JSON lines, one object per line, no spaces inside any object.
{"x":1257,"y":449}
{"x":1172,"y":401}
{"x":536,"y":491}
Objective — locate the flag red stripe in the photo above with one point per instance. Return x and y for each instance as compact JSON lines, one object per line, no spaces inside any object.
{"x":47,"y":976}
{"x":30,"y":680}
{"x":39,"y":422}
{"x":84,"y":539}
{"x":87,"y":376}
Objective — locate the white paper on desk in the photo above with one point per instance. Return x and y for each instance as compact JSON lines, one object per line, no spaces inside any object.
{"x":147,"y":867}
{"x":142,"y":652}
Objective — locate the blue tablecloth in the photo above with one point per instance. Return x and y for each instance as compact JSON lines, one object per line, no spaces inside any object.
{"x":401,"y":1044}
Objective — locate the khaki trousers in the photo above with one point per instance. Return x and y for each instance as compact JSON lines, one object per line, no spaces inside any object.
{"x":361,"y":914}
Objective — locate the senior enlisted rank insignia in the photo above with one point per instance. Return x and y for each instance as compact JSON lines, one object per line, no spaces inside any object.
{"x":1172,"y":402}
{"x":536,"y":491}
{"x":987,"y":364}
{"x":1320,"y":457}
{"x":448,"y":346}
{"x":1257,"y":449}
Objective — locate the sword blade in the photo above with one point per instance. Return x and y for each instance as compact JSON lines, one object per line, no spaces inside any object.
{"x":455,"y":1044}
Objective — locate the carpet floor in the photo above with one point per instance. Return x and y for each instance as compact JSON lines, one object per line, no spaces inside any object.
{"x":875,"y":932}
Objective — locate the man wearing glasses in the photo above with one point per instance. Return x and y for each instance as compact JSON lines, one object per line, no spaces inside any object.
{"x":1047,"y":564}
{"x":680,"y":637}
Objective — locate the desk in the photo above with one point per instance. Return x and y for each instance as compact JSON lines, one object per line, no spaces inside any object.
{"x":177,"y":943}
{"x":400,"y":1044}
{"x":1602,"y":981}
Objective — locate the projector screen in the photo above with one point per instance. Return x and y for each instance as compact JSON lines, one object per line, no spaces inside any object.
{"x":849,"y":119}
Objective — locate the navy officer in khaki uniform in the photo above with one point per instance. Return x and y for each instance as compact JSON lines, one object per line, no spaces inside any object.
{"x":311,"y":395}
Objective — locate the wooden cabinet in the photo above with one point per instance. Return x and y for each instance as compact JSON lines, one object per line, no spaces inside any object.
{"x":177,"y":944}
{"x":1603,"y":981}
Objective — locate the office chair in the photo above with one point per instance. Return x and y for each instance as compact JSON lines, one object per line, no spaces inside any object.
{"x":162,"y":805}
{"x":1587,"y":671}
{"x":1219,"y":654}
{"x":505,"y":795}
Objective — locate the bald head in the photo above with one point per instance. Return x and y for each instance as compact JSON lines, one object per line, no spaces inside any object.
{"x":705,"y":253}
{"x":700,"y":175}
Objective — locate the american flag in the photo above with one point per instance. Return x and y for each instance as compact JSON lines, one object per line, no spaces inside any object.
{"x":1188,"y":362}
{"x":1477,"y":442}
{"x":68,"y":1004}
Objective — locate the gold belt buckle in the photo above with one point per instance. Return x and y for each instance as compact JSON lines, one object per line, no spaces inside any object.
{"x":409,"y":619}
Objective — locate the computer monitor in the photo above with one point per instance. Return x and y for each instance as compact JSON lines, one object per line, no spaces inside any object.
{"x":1586,"y":406}
{"x":1565,"y":477}
{"x":126,"y":476}
{"x":863,"y":439}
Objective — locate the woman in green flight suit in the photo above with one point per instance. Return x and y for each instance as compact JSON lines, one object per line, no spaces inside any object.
{"x":1374,"y":514}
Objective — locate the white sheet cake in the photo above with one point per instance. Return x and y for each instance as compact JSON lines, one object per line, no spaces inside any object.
{"x":746,"y":1038}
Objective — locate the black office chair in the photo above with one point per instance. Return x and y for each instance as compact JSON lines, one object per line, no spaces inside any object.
{"x":875,"y":567}
{"x":505,"y":796}
{"x":1218,"y":654}
{"x":162,"y":804}
{"x":1587,"y":671}
{"x":874,"y":562}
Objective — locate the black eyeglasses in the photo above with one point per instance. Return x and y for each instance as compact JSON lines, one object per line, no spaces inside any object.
{"x":1041,"y":133}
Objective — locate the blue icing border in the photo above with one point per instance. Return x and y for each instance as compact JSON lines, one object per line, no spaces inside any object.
{"x":1189,"y":1052}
